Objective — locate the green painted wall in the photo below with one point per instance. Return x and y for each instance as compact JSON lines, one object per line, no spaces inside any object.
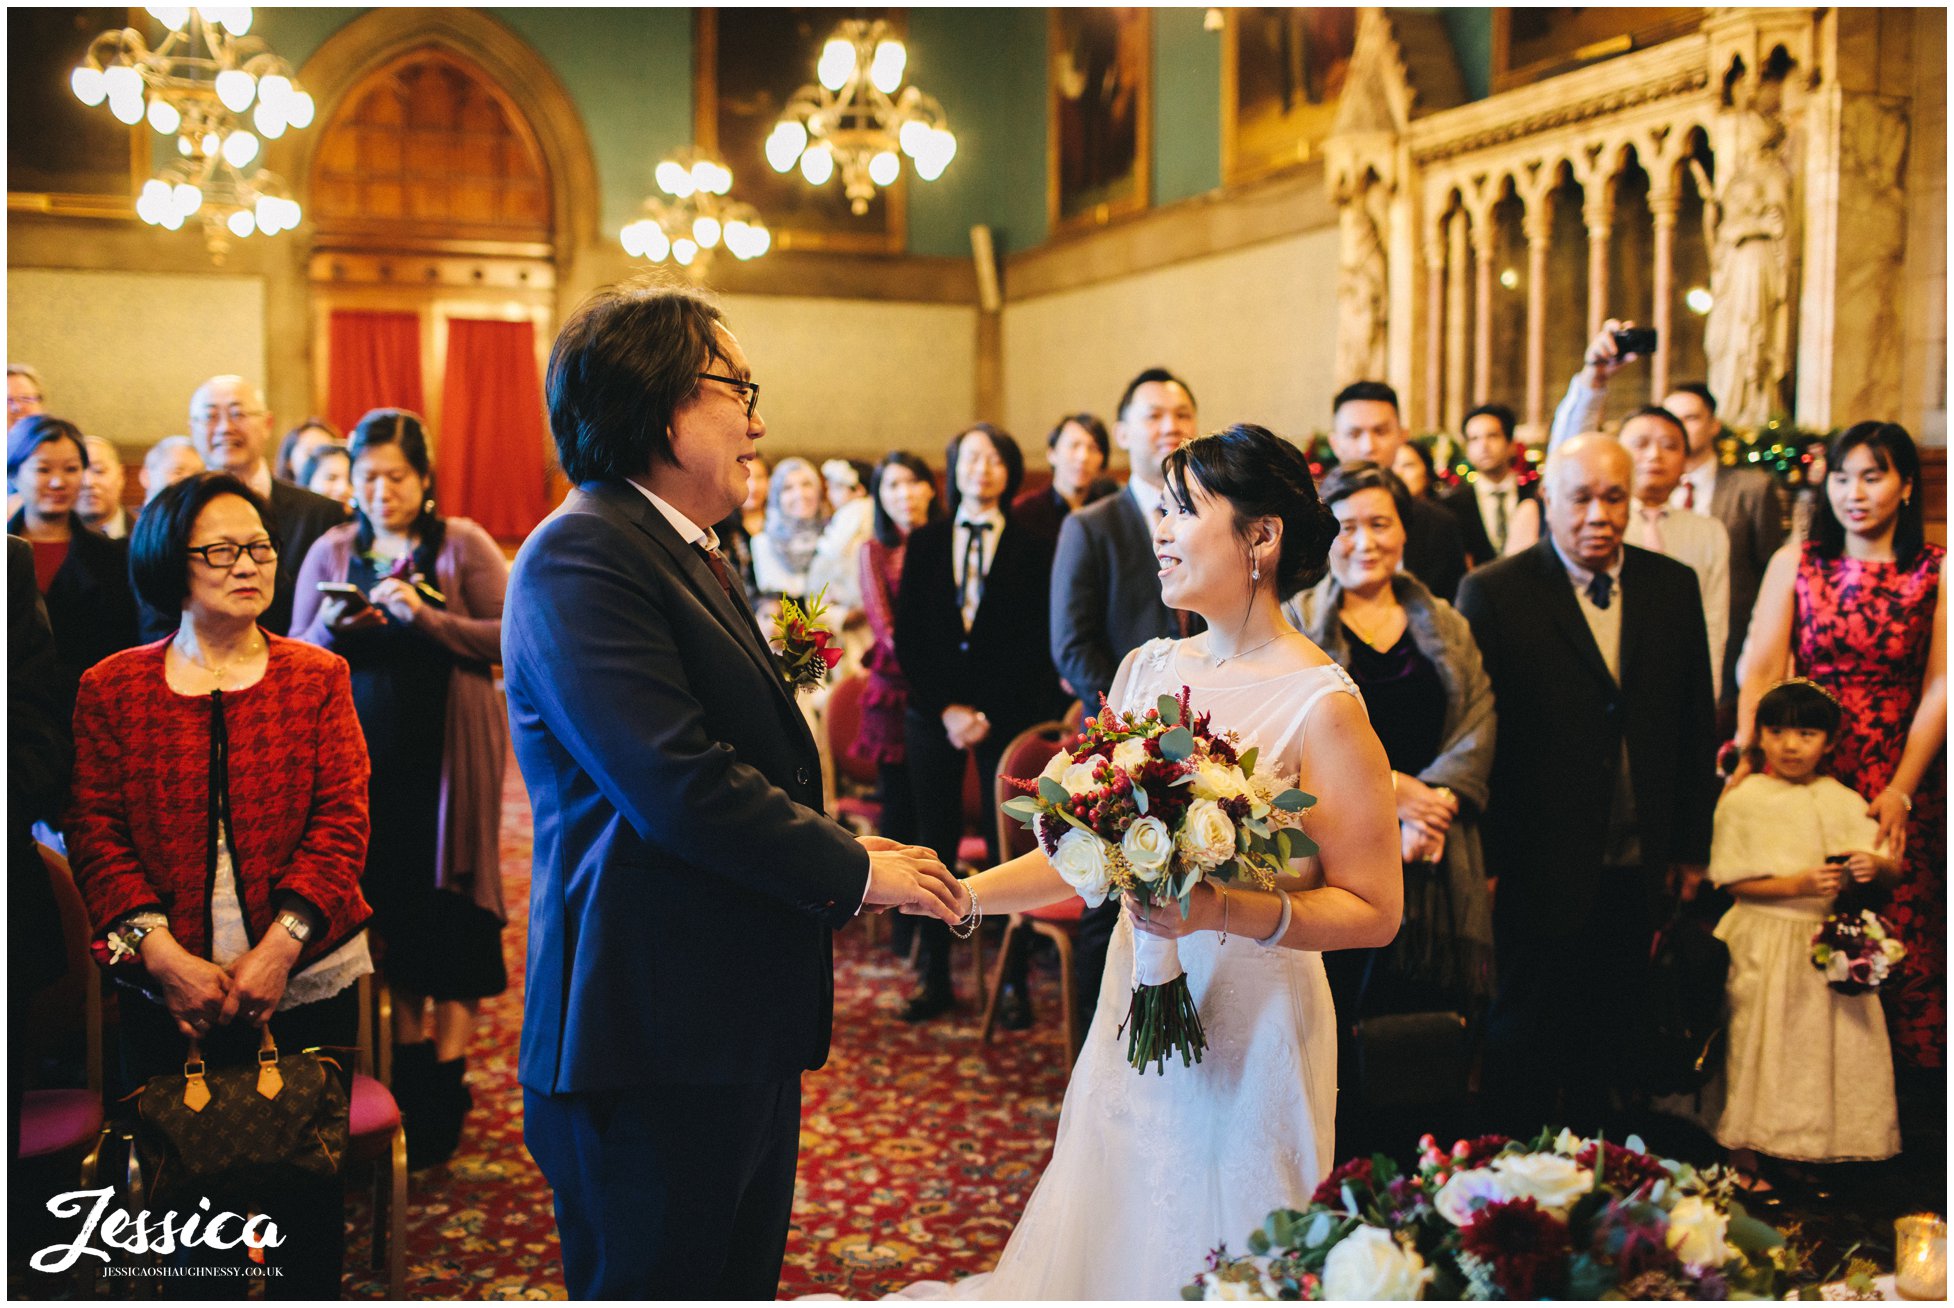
{"x":987,"y":68}
{"x":1186,"y":105}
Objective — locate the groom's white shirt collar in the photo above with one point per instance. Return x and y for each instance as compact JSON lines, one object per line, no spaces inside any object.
{"x":688,"y":531}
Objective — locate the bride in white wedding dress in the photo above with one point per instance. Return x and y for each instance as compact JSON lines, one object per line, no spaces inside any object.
{"x":1151,"y":1171}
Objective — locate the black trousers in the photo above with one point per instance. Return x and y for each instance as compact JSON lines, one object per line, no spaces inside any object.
{"x":936,"y":774}
{"x":311,"y":1218}
{"x":1561,"y":1036}
{"x":898,"y":799}
{"x":670,"y":1191}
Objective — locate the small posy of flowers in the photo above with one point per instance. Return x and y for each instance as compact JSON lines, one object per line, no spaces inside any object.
{"x":1856,"y":951}
{"x":1149,"y":805}
{"x":1559,"y":1217}
{"x":803,"y":643}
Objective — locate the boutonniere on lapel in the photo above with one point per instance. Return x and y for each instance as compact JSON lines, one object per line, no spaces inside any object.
{"x":803,"y":643}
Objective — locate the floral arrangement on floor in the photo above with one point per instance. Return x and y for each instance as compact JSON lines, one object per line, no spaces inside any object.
{"x":1856,"y":950}
{"x":803,"y":642}
{"x":1149,"y":805}
{"x":1559,"y":1217}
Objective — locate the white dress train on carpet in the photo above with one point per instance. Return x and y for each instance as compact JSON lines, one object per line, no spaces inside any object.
{"x":1149,"y":1172}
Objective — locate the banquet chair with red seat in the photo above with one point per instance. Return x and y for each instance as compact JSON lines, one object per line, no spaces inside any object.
{"x":378,"y":1135}
{"x":855,"y":780}
{"x":1023,"y":759}
{"x":57,"y":1120}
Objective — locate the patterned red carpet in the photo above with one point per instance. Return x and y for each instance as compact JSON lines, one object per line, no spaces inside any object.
{"x":919,"y":1146}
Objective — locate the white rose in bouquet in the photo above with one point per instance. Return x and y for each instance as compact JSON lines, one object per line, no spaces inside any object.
{"x":1466,"y":1192}
{"x":1081,"y":859}
{"x":1148,"y":847}
{"x":1077,"y":778}
{"x":1128,"y":755}
{"x":1370,"y":1264}
{"x":1245,"y":1279}
{"x":1893,"y":949}
{"x":1696,"y":1232}
{"x":1216,"y":780}
{"x":1207,"y":836}
{"x":1055,"y":767}
{"x":1553,"y":1182}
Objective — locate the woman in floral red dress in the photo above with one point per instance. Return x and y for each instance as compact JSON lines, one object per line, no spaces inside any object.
{"x":1860,"y":608}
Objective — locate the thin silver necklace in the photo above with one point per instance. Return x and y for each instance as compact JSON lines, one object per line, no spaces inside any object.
{"x":1221,"y":660}
{"x":219,"y":671}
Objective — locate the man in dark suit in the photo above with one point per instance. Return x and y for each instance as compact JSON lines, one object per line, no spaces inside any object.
{"x":1106,"y":592}
{"x":231,"y":428}
{"x":1600,"y":792}
{"x":1488,"y":505}
{"x":1749,"y":502}
{"x":686,"y":881}
{"x":1364,"y":424}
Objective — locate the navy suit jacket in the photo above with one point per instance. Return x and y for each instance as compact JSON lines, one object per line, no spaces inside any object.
{"x":1105,"y":594}
{"x":1563,"y":718}
{"x":686,"y":882}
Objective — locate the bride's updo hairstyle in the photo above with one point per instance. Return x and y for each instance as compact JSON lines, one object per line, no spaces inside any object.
{"x":1260,"y":475}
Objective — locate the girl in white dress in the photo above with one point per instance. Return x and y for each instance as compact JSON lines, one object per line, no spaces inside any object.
{"x":1808,"y":1073}
{"x":1151,"y":1171}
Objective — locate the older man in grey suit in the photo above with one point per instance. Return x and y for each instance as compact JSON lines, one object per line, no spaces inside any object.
{"x":1106,"y":590}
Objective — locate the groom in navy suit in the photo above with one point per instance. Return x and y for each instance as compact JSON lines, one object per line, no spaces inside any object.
{"x":686,"y":880}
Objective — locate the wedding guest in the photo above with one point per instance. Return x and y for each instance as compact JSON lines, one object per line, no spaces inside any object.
{"x":231,"y":426}
{"x":1601,"y":670}
{"x":978,"y":660}
{"x":1655,"y":440}
{"x":1428,"y":698}
{"x":1749,"y":502}
{"x":796,"y":512}
{"x":1498,"y":515}
{"x":1365,"y":425}
{"x":1414,"y":467}
{"x":24,"y":393}
{"x":1079,"y":450}
{"x":328,"y":471}
{"x":1106,"y":593}
{"x":296,"y":450}
{"x":100,"y":503}
{"x":837,"y":564}
{"x":1861,"y":609}
{"x":905,"y":498}
{"x":229,"y":892}
{"x":168,"y":462}
{"x":1808,"y":1074}
{"x":82,"y":575}
{"x":422,"y":638}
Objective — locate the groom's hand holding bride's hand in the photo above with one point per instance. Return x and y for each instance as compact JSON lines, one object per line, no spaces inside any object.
{"x":911,"y":878}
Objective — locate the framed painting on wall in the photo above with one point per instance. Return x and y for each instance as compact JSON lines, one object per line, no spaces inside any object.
{"x":1282,"y":73}
{"x":1099,"y":142}
{"x":64,"y":157}
{"x":747,"y":64}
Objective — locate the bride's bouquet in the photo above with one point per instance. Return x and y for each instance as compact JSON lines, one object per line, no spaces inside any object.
{"x":1148,"y":805}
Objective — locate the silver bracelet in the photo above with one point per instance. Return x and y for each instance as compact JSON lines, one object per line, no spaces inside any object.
{"x":966,"y":926}
{"x":1274,"y":937}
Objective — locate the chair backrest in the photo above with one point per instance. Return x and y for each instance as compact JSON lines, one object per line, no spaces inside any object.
{"x":1075,"y":716}
{"x":1023,"y":759}
{"x":843,"y":719}
{"x":72,"y":1006}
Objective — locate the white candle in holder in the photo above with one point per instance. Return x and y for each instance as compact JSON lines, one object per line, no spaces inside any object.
{"x":1920,"y":1257}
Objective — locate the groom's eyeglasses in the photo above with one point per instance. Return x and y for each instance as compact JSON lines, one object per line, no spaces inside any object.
{"x":750,"y":389}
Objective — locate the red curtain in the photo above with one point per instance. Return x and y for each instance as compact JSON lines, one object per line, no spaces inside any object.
{"x":494,"y":463}
{"x":375,"y":364}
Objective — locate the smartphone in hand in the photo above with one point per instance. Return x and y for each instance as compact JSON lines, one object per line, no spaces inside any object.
{"x":347,"y":593}
{"x":1639,"y":341}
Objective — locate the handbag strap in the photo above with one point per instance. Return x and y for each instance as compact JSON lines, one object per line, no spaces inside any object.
{"x":196,"y":1091}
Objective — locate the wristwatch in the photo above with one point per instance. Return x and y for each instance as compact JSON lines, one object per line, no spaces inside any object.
{"x":297,"y":927}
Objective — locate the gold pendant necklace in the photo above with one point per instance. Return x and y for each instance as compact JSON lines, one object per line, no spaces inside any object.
{"x":219,"y":671}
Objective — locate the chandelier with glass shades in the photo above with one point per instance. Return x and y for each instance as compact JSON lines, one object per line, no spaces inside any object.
{"x":854,"y":121}
{"x":198,"y":86}
{"x":694,"y":217}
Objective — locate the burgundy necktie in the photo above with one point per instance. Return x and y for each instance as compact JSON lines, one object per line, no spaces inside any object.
{"x":717,"y":562}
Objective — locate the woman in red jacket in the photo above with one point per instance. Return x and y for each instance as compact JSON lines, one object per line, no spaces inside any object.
{"x":219,"y":823}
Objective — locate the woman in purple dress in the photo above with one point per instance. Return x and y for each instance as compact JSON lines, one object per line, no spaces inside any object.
{"x":1860,"y":608}
{"x":905,"y":498}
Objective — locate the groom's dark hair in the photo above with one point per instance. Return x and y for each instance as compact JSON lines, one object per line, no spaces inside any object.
{"x":622,"y":365}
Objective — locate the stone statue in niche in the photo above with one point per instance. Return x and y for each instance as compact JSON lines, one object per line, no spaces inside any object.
{"x":1363,"y":286}
{"x":1747,"y":225}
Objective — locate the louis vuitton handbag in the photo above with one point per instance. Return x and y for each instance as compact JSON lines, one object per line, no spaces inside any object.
{"x":276,"y":1123}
